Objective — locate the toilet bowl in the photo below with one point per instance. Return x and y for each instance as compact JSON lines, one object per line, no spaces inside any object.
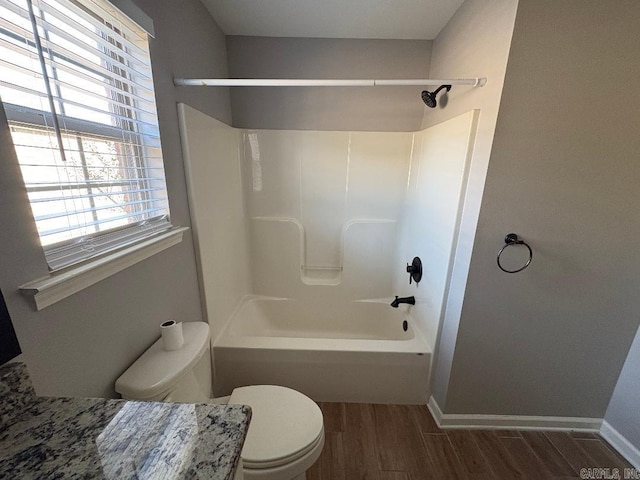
{"x":286,"y":433}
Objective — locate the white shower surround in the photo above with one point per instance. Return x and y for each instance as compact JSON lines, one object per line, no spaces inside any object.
{"x":323,"y":219}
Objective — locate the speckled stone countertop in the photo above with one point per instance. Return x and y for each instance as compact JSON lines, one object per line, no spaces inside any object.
{"x":52,"y":438}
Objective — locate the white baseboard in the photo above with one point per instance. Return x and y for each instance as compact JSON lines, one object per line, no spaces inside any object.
{"x":621,"y":444}
{"x":511,"y":422}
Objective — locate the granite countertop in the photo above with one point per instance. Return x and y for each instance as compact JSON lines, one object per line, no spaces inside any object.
{"x":56,"y":437}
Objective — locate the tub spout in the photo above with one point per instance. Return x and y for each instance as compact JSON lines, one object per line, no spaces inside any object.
{"x":398,"y":301}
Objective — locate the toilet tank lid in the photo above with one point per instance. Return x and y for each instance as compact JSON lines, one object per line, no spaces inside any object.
{"x":158,"y":370}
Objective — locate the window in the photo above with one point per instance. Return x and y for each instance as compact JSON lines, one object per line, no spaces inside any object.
{"x":76,"y":83}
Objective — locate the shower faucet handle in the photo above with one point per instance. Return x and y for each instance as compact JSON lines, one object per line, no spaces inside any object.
{"x":415,"y":270}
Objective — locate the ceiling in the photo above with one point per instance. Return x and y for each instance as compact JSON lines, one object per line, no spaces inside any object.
{"x":399,"y":19}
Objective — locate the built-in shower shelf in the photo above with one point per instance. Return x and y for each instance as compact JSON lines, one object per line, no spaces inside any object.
{"x":321,"y":275}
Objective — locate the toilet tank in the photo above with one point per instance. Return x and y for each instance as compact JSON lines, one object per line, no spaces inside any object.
{"x":182,"y":375}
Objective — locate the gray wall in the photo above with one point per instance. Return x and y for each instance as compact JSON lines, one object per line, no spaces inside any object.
{"x":622,"y":413}
{"x":80,"y":345}
{"x":323,"y":108}
{"x":564,"y":175}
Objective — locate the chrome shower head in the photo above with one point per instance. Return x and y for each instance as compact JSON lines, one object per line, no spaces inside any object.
{"x":429,"y":98}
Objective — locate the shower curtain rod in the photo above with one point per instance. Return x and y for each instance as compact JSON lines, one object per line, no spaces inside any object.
{"x":283,"y":82}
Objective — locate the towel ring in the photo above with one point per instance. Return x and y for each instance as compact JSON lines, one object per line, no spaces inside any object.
{"x":512,"y":239}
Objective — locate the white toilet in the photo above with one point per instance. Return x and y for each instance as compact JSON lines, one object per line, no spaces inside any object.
{"x":286,"y":434}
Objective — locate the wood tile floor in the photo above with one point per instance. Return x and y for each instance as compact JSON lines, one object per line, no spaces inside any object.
{"x":402,"y":442}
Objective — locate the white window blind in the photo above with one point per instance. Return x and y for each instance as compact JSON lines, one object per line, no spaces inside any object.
{"x":76,"y":84}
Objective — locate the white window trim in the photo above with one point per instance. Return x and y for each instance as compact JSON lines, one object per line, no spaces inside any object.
{"x":58,"y":286}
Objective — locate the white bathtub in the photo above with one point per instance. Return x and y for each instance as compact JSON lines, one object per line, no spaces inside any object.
{"x":348,"y":352}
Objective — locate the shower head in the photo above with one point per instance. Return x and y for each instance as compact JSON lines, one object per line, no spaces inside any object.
{"x":429,"y":98}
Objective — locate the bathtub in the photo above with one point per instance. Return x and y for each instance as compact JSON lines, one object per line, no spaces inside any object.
{"x":358,"y":351}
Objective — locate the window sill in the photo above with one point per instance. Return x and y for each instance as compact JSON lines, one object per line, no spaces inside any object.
{"x":58,"y":286}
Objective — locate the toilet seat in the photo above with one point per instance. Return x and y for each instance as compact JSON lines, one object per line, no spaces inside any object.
{"x":285,"y":425}
{"x":286,"y":433}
